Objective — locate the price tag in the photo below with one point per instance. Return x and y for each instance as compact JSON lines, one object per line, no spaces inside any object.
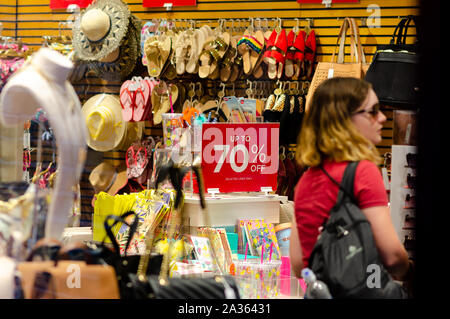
{"x":240,"y":157}
{"x":330,"y":73}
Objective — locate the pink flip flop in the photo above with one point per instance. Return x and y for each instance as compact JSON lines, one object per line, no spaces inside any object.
{"x":141,"y":98}
{"x":127,"y":101}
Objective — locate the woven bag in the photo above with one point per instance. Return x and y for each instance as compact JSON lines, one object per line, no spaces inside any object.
{"x":338,"y":68}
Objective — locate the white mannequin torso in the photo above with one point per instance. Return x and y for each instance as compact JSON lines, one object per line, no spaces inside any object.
{"x":42,"y":82}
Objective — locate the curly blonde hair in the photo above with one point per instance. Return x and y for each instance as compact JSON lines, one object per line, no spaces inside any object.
{"x":327,"y":130}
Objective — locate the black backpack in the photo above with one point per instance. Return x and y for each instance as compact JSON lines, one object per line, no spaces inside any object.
{"x":345,"y":256}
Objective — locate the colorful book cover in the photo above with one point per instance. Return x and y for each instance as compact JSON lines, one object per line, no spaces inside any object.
{"x":262,"y":234}
{"x":216,"y":243}
{"x":242,"y":237}
{"x":202,"y":248}
{"x":226,"y":246}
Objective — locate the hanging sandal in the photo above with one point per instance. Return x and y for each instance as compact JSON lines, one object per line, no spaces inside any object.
{"x":299,"y":45}
{"x":290,"y":55}
{"x":141,"y":100}
{"x":310,"y":53}
{"x":250,"y":47}
{"x":277,"y":56}
{"x":157,"y":54}
{"x":228,"y":60}
{"x":126,"y":98}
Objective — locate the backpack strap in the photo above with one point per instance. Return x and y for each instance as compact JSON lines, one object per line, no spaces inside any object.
{"x":346,"y":186}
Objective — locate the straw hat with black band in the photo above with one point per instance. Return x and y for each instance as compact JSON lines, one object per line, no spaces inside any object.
{"x":102,"y":27}
{"x":107,"y":178}
{"x":122,"y":61}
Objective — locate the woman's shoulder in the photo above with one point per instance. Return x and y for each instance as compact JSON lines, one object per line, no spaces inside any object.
{"x":367,"y":167}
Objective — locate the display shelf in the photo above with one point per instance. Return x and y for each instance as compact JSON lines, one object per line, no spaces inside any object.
{"x":226,"y":209}
{"x":401,"y":213}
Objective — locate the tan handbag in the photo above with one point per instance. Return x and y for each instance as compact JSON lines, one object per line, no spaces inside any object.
{"x":68,"y":279}
{"x":340,"y":68}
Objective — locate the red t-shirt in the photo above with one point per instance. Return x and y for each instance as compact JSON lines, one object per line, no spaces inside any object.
{"x":316,"y":194}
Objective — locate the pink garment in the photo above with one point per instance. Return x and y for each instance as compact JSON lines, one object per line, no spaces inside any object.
{"x":9,"y":66}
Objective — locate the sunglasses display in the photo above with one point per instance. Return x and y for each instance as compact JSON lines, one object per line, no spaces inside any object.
{"x":409,"y":222}
{"x":410,"y":201}
{"x":411,"y":160}
{"x":411,"y":181}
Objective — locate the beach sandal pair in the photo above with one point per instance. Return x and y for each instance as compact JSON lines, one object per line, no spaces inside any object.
{"x":250,"y":47}
{"x":157,"y":51}
{"x":214,"y":50}
{"x":163,"y":99}
{"x":195,"y":43}
{"x":135,"y":99}
{"x":275,"y":54}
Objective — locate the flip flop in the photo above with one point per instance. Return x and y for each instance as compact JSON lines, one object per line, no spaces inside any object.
{"x":228,"y":60}
{"x":218,"y":50}
{"x":192,"y":54}
{"x":181,"y":48}
{"x":165,"y":104}
{"x":150,"y":83}
{"x":205,"y":59}
{"x":258,"y":70}
{"x":290,"y":55}
{"x":157,"y":54}
{"x":237,"y":63}
{"x":141,"y":101}
{"x":250,"y":46}
{"x":126,"y":97}
{"x":148,"y":30}
{"x":310,"y":53}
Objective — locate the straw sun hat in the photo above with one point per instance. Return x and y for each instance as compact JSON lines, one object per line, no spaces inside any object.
{"x":105,"y":125}
{"x":107,"y":178}
{"x":102,"y":27}
{"x":121,"y":62}
{"x":106,"y":128}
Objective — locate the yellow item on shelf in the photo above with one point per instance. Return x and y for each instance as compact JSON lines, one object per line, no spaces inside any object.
{"x":105,"y":205}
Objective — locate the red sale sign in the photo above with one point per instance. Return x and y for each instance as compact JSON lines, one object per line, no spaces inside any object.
{"x":333,"y":1}
{"x":63,"y":4}
{"x":240,"y":157}
{"x":174,"y":3}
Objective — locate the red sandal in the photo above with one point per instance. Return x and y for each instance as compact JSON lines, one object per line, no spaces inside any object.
{"x":290,"y":55}
{"x":310,"y":53}
{"x":299,"y":57}
{"x":277,"y":56}
{"x":270,"y":43}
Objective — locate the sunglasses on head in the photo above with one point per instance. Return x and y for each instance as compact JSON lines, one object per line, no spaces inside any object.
{"x":373,"y":112}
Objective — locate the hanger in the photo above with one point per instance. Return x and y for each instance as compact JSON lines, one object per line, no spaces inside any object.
{"x":283,"y":153}
{"x":37,"y":175}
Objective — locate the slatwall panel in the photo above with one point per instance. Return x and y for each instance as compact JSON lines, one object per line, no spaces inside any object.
{"x":8,"y":17}
{"x":35,"y":19}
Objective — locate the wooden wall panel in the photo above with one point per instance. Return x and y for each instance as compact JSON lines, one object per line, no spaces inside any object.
{"x":31,"y":19}
{"x":8,"y":18}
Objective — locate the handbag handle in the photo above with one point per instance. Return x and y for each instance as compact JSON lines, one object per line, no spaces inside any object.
{"x":121,"y":219}
{"x":359,"y":49}
{"x":398,"y":32}
{"x":406,"y":26}
{"x":346,"y":24}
